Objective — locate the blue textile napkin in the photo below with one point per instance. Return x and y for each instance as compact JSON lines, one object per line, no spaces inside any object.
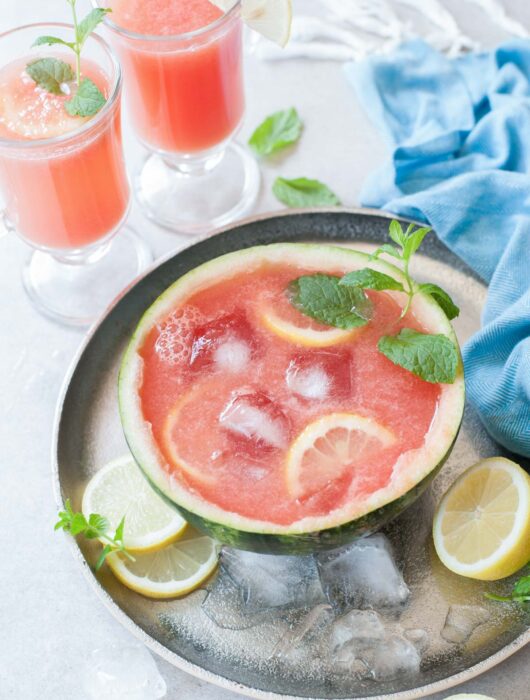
{"x":460,"y":136}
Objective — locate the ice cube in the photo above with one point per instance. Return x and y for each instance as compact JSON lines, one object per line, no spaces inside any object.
{"x":310,"y":626}
{"x":270,"y":581}
{"x":356,"y":630}
{"x":317,"y":374}
{"x":311,"y":383}
{"x":392,"y":658}
{"x":418,"y":637}
{"x":222,"y":605}
{"x":255,"y":421}
{"x":363,"y":574}
{"x":233,"y":355}
{"x":123,"y":673}
{"x":232,"y":331}
{"x":461,"y":622}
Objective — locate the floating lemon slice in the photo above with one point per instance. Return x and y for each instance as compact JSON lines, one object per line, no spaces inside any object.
{"x":174,"y":571}
{"x":482,"y":526}
{"x":307,"y":336}
{"x":270,"y":18}
{"x":326,"y":448}
{"x":120,"y":489}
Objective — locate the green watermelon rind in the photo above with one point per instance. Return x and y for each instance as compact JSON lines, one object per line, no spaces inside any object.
{"x":323,"y":532}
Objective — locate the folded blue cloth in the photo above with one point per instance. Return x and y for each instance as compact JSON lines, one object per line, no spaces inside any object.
{"x":460,"y":137}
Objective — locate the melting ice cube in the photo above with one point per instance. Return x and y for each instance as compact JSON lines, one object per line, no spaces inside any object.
{"x":255,"y":420}
{"x":363,"y":574}
{"x":356,"y":630}
{"x":123,"y":673}
{"x":418,"y":637}
{"x":232,"y":355}
{"x":317,"y":374}
{"x":309,"y":627}
{"x":270,"y":581}
{"x":392,"y":658}
{"x":461,"y":622}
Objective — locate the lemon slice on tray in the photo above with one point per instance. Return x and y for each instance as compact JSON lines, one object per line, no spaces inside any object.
{"x":120,"y":489}
{"x":174,"y":571}
{"x":482,"y":526}
{"x":270,"y":18}
{"x":326,"y":448}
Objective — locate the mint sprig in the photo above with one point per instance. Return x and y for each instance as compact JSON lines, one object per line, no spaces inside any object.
{"x":302,"y":192}
{"x":322,"y":298}
{"x":433,"y":358}
{"x":52,"y":74}
{"x":96,"y":527}
{"x":520,"y":593}
{"x":277,"y":131}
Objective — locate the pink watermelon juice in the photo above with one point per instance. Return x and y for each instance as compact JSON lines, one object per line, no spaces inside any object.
{"x":226,"y":397}
{"x":183,"y":68}
{"x":63,"y":178}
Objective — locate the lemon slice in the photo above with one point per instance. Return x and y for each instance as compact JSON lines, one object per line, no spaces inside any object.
{"x":482,"y":526}
{"x":326,"y":448}
{"x":270,"y":18}
{"x":304,"y":335}
{"x":120,"y":489}
{"x":173,"y":571}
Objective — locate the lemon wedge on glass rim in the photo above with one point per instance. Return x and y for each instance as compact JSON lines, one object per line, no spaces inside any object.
{"x":270,"y":18}
{"x":481,"y":528}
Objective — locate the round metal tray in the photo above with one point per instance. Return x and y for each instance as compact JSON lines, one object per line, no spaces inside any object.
{"x":88,"y":433}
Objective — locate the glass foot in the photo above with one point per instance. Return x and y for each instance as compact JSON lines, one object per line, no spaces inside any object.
{"x":76,"y":290}
{"x":196,"y":200}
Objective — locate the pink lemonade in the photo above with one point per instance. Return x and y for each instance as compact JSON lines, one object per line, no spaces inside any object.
{"x":73,"y":191}
{"x":226,"y":397}
{"x":185,"y":94}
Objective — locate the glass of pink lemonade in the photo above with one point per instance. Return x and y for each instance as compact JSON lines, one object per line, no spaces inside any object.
{"x":183,"y":67}
{"x":63,"y":179}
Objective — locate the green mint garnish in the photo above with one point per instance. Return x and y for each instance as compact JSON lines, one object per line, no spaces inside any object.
{"x":50,"y":74}
{"x":371,"y":279}
{"x":90,"y":97}
{"x":277,"y":131}
{"x":301,"y":192}
{"x":96,"y":527}
{"x":520,"y":593}
{"x":433,"y":358}
{"x":442,"y":298}
{"x":322,"y":298}
{"x":87,"y":101}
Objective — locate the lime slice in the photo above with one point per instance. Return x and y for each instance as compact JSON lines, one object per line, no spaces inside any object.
{"x":270,"y":18}
{"x":309,"y":336}
{"x":120,"y":489}
{"x":326,"y":448}
{"x":482,"y":526}
{"x":176,"y":570}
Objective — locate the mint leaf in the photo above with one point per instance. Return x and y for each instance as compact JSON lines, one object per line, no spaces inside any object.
{"x":521,"y":588}
{"x":433,"y":358}
{"x":321,"y":297}
{"x":107,"y":549}
{"x":78,"y":524}
{"x":50,"y":41}
{"x":97,"y":526}
{"x":118,"y":535}
{"x":413,"y":240}
{"x":301,"y":192}
{"x":87,"y":101}
{"x":277,"y":131}
{"x":395,"y":232}
{"x":50,"y":74}
{"x":388,"y":249}
{"x":371,"y":279}
{"x":442,"y":298}
{"x":90,"y":22}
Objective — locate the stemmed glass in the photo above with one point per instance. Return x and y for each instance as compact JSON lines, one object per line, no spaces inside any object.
{"x":67,"y":194}
{"x":186,"y":102}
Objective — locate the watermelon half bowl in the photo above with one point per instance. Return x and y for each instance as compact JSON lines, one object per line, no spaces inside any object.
{"x":352,"y":518}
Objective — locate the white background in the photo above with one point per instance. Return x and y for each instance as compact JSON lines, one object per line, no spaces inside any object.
{"x":50,"y":619}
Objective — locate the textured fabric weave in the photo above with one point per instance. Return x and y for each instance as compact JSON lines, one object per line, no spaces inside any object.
{"x":460,"y":137}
